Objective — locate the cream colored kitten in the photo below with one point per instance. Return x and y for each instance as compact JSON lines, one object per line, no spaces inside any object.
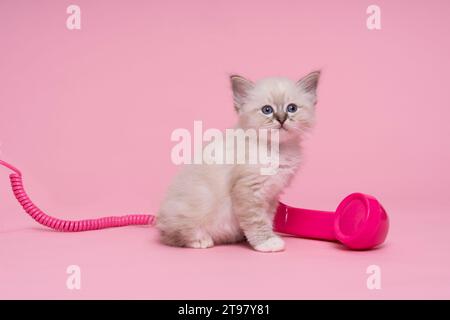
{"x":216,"y":204}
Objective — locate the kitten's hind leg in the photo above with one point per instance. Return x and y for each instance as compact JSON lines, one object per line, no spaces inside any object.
{"x":200,"y":240}
{"x":197,"y":239}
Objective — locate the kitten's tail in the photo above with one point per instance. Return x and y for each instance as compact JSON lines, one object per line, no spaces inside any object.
{"x":68,"y":225}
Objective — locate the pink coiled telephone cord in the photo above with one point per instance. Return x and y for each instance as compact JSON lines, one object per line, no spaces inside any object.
{"x":69,"y":225}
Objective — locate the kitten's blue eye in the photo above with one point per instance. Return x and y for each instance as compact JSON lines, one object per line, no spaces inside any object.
{"x":292,"y":108}
{"x":267,"y":109}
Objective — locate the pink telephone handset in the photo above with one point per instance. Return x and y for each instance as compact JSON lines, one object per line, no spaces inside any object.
{"x":360,"y":222}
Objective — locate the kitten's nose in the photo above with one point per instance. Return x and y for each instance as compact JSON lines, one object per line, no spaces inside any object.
{"x":281,"y":117}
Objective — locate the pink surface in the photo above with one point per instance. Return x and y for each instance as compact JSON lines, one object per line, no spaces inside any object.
{"x":98,"y":105}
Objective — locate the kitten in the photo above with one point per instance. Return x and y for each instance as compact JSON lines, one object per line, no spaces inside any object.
{"x":211,"y":204}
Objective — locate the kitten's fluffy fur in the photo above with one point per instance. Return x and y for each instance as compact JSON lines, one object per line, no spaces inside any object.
{"x":216,"y":204}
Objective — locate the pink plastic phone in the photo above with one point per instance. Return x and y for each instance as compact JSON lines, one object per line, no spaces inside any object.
{"x":360,"y":222}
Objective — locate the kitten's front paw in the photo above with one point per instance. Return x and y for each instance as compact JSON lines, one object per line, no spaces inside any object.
{"x":204,"y":243}
{"x":271,"y":245}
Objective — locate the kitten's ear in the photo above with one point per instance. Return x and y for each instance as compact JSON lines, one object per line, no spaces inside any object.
{"x":308,"y":84}
{"x":241,"y":88}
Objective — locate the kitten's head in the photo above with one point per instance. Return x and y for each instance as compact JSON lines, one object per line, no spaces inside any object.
{"x":276,"y":103}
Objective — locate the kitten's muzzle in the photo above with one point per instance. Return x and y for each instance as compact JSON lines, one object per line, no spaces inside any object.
{"x":281,"y":117}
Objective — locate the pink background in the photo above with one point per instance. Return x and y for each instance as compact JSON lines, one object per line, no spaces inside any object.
{"x":87,"y":115}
